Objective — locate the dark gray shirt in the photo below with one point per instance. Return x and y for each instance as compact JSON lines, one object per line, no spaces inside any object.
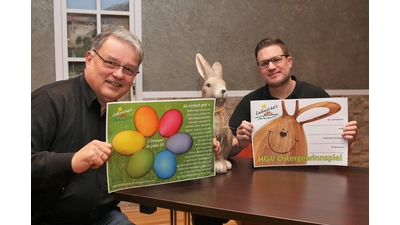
{"x":65,"y":116}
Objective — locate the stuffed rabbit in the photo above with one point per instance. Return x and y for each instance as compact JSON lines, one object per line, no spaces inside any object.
{"x":215,"y":87}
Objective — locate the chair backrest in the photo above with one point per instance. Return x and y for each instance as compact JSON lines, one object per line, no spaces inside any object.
{"x":246,"y":152}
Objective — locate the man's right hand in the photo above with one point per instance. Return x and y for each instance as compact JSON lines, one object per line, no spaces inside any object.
{"x":243,"y":134}
{"x":93,"y":155}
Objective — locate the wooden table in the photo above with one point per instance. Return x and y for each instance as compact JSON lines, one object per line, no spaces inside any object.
{"x":270,"y":195}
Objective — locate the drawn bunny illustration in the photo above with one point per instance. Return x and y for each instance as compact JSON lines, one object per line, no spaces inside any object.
{"x":285,"y":136}
{"x":215,"y":87}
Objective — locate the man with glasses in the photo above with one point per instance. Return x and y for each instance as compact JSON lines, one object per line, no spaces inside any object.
{"x":274,"y":62}
{"x":68,"y":148}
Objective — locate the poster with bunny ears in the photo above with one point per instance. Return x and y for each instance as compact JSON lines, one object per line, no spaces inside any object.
{"x":299,"y":132}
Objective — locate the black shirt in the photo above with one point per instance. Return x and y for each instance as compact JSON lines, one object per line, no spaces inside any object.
{"x":65,"y":116}
{"x":301,"y":90}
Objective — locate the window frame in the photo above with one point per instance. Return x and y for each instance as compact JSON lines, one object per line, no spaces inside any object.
{"x":60,"y":37}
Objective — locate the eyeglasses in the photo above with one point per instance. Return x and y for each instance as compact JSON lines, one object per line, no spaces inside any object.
{"x":275,"y":60}
{"x":114,"y":66}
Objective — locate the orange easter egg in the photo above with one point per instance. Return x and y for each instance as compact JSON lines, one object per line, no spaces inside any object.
{"x":146,"y":121}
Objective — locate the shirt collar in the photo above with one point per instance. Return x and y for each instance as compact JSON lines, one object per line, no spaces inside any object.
{"x":87,"y":92}
{"x":292,"y":95}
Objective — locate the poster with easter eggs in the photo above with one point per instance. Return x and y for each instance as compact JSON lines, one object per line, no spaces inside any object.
{"x":299,"y":132}
{"x":158,"y":142}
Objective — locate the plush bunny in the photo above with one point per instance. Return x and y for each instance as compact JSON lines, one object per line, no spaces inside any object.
{"x":215,"y":87}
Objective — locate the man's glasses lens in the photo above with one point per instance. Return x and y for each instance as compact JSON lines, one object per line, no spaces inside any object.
{"x":275,"y":60}
{"x":114,"y":66}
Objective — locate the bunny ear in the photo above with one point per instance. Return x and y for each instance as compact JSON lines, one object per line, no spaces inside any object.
{"x":203,"y":66}
{"x":217,"y":67}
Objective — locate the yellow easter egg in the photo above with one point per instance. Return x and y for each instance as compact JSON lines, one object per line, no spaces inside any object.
{"x":127,"y":142}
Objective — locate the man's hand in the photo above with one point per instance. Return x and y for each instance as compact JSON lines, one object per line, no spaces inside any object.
{"x":350,"y":133}
{"x":93,"y":155}
{"x":243,"y":134}
{"x":217,"y":148}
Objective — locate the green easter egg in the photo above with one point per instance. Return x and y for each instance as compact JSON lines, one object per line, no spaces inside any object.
{"x":140,"y":163}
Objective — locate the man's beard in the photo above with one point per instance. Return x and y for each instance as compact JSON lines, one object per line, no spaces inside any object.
{"x":283,"y":82}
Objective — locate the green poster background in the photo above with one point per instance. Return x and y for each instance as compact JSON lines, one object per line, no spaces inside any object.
{"x":196,"y":163}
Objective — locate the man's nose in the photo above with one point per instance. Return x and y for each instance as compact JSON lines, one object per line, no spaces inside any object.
{"x":119,"y":72}
{"x":271,"y":65}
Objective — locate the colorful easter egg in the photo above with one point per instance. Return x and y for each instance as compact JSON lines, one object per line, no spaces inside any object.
{"x":170,"y":123}
{"x":179,"y":143}
{"x":146,"y":121}
{"x":127,"y":142}
{"x":140,"y":163}
{"x":165,"y":164}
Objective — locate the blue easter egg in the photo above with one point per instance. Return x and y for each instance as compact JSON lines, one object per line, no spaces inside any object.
{"x":165,"y":164}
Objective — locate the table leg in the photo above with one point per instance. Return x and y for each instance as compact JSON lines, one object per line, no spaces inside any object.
{"x":187,"y":218}
{"x":173,"y":217}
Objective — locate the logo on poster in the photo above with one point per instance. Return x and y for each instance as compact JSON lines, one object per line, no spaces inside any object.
{"x":266,"y":112}
{"x":122,"y":114}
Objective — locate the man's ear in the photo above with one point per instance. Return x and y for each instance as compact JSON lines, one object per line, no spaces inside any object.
{"x":290,"y":60}
{"x":89,"y":57}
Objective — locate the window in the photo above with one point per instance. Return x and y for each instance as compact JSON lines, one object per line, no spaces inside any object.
{"x":77,"y":22}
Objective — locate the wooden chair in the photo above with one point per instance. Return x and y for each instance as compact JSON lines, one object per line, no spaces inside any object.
{"x":246,"y":152}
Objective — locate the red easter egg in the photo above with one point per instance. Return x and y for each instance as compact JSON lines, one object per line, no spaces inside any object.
{"x":170,"y":123}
